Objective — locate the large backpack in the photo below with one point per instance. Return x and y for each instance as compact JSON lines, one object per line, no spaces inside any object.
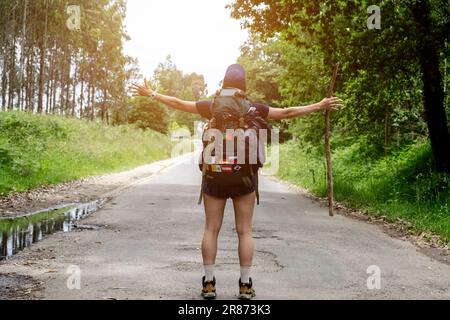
{"x":239,"y":164}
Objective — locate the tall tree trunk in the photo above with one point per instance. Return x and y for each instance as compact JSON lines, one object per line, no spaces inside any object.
{"x":12,"y":65}
{"x":433,"y":93}
{"x":89,"y":97}
{"x":54,"y":89}
{"x":21,"y":85}
{"x":26,"y":82}
{"x":62,"y":82}
{"x":41,"y":79}
{"x":93,"y":98}
{"x":53,"y":79}
{"x":47,"y":94}
{"x":386,"y":129}
{"x":82,"y":72}
{"x":4,"y":82}
{"x":81,"y":94}
{"x":69,"y":62}
{"x":104,"y":106}
{"x":50,"y":105}
{"x":4,"y":78}
{"x":74,"y":86}
{"x":30,"y":82}
{"x":19,"y":95}
{"x":24,"y":85}
{"x":43,"y":50}
{"x":5,"y":65}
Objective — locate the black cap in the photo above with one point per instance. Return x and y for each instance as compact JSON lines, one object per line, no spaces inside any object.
{"x":235,"y":77}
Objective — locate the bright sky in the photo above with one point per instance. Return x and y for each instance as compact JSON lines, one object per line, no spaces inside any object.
{"x":200,"y":36}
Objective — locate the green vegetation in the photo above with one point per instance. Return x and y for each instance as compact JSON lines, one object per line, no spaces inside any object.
{"x":41,"y":150}
{"x":75,"y":69}
{"x":171,"y":81}
{"x":402,"y":185}
{"x":390,"y":145}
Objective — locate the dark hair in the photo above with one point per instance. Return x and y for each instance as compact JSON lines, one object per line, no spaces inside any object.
{"x":235,"y":77}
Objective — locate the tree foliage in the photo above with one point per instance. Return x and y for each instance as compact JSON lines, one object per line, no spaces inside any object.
{"x":172,"y":81}
{"x":169,"y":80}
{"x":148,"y":114}
{"x":392,"y":79}
{"x":47,"y":67}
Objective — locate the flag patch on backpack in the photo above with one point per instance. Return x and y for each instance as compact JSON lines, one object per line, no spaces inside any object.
{"x":227,"y":168}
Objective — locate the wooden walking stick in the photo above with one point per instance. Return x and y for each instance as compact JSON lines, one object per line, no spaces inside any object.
{"x":327,"y":143}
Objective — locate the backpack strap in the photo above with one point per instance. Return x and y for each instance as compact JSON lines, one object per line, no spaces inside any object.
{"x":200,"y":198}
{"x":212,"y":104}
{"x":256,"y":183}
{"x":257,"y":188}
{"x":212,"y":122}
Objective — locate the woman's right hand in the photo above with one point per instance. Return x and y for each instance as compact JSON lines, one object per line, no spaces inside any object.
{"x":141,"y":90}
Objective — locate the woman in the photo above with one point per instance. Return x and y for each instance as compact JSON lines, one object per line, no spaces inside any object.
{"x":243,"y":197}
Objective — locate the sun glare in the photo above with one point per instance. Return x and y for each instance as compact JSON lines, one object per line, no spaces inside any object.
{"x":200,"y":36}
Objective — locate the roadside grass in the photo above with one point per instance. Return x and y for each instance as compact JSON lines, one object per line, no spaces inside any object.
{"x":37,"y":150}
{"x":402,"y":185}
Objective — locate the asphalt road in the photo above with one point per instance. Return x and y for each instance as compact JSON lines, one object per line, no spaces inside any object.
{"x":148,"y":244}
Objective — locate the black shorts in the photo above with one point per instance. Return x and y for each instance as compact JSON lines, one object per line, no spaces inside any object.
{"x":225,"y":192}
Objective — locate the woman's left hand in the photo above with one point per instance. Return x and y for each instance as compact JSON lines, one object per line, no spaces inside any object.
{"x":332,"y":103}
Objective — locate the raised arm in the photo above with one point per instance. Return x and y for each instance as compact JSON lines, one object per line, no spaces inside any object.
{"x":145,"y":91}
{"x":294,"y":112}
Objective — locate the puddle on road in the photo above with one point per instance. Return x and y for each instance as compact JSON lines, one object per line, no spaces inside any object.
{"x":19,"y":233}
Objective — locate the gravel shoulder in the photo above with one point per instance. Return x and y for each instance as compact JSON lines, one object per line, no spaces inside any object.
{"x":79,"y":191}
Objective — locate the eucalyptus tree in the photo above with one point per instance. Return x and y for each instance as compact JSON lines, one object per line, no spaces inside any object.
{"x":47,"y":65}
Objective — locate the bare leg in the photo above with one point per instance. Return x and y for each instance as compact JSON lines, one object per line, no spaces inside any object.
{"x":214,"y":209}
{"x":243,"y":211}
